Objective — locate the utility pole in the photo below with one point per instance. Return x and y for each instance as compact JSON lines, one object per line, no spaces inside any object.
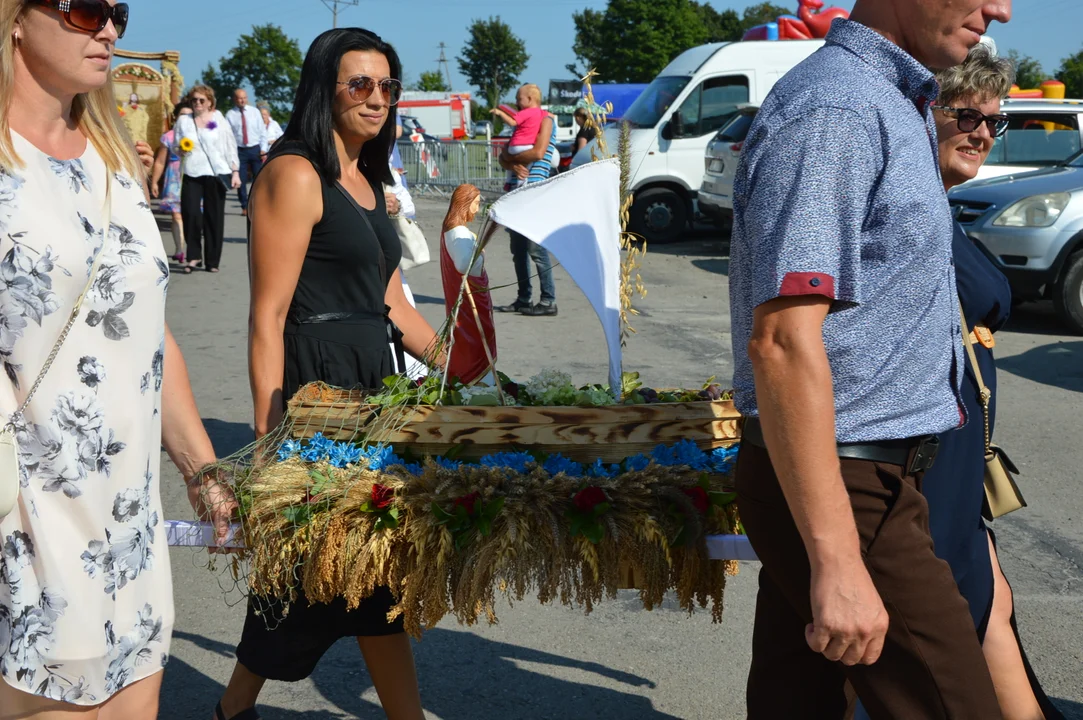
{"x":443,"y":61}
{"x":332,"y":5}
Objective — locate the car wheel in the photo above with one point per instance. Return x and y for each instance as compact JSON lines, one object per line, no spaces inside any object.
{"x":659,"y":215}
{"x":1068,"y":294}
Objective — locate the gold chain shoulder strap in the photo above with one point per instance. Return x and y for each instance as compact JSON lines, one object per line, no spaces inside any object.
{"x":984,"y":393}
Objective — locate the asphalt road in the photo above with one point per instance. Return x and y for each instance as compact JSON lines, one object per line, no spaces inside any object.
{"x":544,"y":662}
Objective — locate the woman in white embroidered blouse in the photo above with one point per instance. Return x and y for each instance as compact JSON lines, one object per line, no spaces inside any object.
{"x":210,"y":166}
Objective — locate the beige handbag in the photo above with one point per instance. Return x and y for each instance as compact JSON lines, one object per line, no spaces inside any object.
{"x":9,"y":447}
{"x":1002,"y":495}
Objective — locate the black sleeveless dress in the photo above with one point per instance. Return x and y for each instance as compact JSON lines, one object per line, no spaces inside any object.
{"x":337,"y":331}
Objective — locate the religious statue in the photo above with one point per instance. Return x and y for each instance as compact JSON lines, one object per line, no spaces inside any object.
{"x":136,"y":118}
{"x":462,"y":267}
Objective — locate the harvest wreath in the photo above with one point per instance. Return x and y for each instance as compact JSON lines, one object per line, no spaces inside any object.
{"x":450,"y":493}
{"x":345,"y":502}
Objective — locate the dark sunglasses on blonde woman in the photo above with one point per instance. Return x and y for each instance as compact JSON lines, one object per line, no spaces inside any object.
{"x":90,"y":15}
{"x":361,"y":87}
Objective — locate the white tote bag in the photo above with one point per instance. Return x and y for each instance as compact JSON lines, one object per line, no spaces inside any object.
{"x":415,"y":249}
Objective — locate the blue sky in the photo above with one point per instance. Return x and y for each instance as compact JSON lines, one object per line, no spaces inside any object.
{"x":205,"y":30}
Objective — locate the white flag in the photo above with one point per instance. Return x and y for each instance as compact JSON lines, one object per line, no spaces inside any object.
{"x":576,"y":217}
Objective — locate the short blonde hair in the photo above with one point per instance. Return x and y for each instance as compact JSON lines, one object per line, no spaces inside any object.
{"x":204,"y":90}
{"x":94,"y":112}
{"x":982,"y":75}
{"x":533,"y":92}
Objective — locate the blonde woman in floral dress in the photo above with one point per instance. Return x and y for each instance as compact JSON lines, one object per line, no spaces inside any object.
{"x":86,"y":606}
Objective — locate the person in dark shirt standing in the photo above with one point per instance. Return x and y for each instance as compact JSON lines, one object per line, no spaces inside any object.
{"x":586,"y":132}
{"x":847,"y":361}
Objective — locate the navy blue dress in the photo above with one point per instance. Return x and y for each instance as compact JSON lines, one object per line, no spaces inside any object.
{"x":954,"y":486}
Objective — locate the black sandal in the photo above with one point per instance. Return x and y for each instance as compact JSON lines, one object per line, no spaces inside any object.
{"x":249,"y":714}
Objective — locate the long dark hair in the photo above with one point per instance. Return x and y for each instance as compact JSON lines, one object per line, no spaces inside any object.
{"x":311,"y":125}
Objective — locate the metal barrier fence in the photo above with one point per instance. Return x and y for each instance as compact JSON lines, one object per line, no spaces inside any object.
{"x":440,"y":167}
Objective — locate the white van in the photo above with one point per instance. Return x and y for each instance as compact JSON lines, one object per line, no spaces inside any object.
{"x":679,"y":113}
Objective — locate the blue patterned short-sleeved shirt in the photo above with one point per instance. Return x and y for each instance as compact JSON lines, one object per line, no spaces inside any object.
{"x":838,"y":193}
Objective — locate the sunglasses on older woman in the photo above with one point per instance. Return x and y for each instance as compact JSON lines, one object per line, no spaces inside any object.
{"x":90,"y":15}
{"x":969,"y":119}
{"x":361,"y":87}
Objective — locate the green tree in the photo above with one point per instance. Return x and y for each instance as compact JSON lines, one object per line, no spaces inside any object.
{"x":1071,"y":74}
{"x":725,"y":26}
{"x":632,"y":40}
{"x":222,"y":88}
{"x":432,"y":81}
{"x":1028,"y":71}
{"x":493,"y":58}
{"x":268,"y":60}
{"x":762,"y":13}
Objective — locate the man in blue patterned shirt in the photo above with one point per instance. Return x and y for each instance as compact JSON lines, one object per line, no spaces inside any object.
{"x":847,"y":363}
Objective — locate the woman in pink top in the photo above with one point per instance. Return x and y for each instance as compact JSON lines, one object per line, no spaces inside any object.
{"x":527,"y":123}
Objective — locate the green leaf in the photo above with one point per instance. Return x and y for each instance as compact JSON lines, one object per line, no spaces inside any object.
{"x":393,"y":511}
{"x":441,"y":514}
{"x":575,"y":527}
{"x":594,"y":532}
{"x":601,"y":509}
{"x":455,"y":452}
{"x":461,"y":513}
{"x":722,"y":499}
{"x":493,"y":508}
{"x":299,"y":515}
{"x":485,"y":526}
{"x":367,"y":506}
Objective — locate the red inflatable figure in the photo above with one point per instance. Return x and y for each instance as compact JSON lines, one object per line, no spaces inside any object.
{"x":473,"y":353}
{"x":816,"y":18}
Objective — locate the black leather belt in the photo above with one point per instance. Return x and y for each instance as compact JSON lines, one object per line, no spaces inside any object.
{"x":394,"y":335}
{"x":915,"y":454}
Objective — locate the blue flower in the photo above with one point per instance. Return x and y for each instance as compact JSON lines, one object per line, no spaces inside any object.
{"x":637,"y":463}
{"x":663,"y":455}
{"x":601,"y":470}
{"x":688,"y":453}
{"x":314,"y":452}
{"x":414,"y":468}
{"x":557,"y":464}
{"x":722,"y":459}
{"x":343,"y":454}
{"x":520,"y":462}
{"x":380,"y":457}
{"x":445,"y":464}
{"x":288,"y":449}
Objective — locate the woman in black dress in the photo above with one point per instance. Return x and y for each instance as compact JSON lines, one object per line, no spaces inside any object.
{"x":325,"y":290}
{"x":968,"y":120}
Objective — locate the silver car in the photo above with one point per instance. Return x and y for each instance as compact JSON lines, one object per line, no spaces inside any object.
{"x":1031,"y":225}
{"x":715,"y":197}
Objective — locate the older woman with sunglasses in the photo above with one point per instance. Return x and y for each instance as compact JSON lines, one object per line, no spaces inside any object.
{"x":94,"y":383}
{"x":325,"y":292}
{"x":968,"y":121}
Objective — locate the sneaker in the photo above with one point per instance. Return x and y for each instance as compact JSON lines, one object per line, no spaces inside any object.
{"x":517,"y":306}
{"x":539,"y":310}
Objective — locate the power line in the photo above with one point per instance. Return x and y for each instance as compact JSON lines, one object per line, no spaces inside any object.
{"x":333,"y":6}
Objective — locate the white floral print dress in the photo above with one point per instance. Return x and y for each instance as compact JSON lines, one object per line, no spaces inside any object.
{"x":86,"y":603}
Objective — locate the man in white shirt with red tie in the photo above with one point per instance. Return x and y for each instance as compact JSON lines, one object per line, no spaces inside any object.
{"x":251,"y":134}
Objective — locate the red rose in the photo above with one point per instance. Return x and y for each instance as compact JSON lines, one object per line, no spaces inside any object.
{"x":587,"y":498}
{"x":699,"y":497}
{"x":467,"y":501}
{"x":382,"y":496}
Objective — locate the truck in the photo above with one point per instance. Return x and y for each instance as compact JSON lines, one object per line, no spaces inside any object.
{"x":446,"y":115}
{"x":677,"y":115}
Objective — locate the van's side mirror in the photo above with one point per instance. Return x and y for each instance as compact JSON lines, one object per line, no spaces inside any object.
{"x":676,"y":124}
